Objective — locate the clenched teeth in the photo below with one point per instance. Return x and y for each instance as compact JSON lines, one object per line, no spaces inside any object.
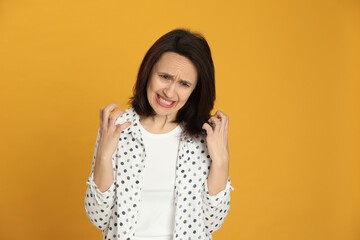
{"x":164,"y":101}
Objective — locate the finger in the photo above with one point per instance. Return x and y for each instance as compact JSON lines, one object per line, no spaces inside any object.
{"x":101,"y":116}
{"x":121,"y":127}
{"x":216,"y":121}
{"x":221,"y":115}
{"x":115,"y":116}
{"x":227,"y":125}
{"x":224,"y":120}
{"x":207,"y":128}
{"x":106,"y":112}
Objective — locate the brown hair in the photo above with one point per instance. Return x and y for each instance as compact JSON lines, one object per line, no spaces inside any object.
{"x":193,"y":46}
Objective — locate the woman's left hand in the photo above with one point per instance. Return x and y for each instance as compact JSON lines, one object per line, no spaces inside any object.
{"x":217,"y":137}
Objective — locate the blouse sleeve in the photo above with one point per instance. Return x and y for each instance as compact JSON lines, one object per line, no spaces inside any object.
{"x":216,"y":207}
{"x":98,"y":205}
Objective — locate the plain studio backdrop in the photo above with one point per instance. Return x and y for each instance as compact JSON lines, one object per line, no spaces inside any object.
{"x":287,"y":74}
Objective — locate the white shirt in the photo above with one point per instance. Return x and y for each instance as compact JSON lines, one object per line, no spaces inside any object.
{"x":156,"y":209}
{"x":115,"y":211}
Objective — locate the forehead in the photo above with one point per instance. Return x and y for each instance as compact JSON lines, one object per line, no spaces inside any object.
{"x":174,"y":64}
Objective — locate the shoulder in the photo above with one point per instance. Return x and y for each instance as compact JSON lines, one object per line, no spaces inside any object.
{"x":129,"y":116}
{"x":195,"y":142}
{"x":195,"y":149}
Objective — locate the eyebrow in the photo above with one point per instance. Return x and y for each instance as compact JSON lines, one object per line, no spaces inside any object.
{"x":172,"y":76}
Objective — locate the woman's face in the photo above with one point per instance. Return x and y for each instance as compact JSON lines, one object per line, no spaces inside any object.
{"x":171,"y":82}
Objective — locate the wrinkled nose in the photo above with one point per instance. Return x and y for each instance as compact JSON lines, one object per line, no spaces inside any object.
{"x":170,"y":90}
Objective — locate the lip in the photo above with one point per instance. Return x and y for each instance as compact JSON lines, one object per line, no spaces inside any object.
{"x":162,"y":104}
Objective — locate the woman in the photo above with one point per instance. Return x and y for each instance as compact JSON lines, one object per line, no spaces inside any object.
{"x":160,"y":169}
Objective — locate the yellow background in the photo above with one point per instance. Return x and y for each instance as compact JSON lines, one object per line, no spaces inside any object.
{"x":287,"y":74}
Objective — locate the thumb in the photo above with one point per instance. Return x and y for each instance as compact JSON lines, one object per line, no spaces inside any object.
{"x":121,"y":127}
{"x":207,"y":128}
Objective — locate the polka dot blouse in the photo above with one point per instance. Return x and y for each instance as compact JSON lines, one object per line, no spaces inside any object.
{"x":115,"y":211}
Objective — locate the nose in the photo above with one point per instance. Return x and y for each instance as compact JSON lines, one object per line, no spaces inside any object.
{"x":170,"y":89}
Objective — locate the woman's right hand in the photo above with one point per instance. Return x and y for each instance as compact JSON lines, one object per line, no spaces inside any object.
{"x":109,"y":132}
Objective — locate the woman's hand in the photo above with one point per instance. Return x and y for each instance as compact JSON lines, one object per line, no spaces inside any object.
{"x":217,"y":137}
{"x":109,"y":132}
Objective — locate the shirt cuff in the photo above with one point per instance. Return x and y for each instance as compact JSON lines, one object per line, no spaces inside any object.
{"x":101,"y":197}
{"x":215,"y":200}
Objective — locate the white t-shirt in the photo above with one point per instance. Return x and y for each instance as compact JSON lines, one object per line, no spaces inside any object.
{"x":156,"y":208}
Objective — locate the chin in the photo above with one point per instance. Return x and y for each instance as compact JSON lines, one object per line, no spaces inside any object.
{"x":164,"y":112}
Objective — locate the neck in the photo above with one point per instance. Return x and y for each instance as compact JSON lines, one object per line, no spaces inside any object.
{"x":158,"y":124}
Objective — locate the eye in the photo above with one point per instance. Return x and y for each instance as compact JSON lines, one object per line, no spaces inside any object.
{"x":164,"y":76}
{"x":185,"y":84}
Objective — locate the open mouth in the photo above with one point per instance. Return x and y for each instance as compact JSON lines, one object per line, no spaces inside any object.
{"x":164,"y":103}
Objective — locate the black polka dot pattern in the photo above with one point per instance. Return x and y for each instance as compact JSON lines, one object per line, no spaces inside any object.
{"x":115,"y":211}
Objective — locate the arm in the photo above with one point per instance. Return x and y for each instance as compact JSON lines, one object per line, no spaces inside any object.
{"x":216,"y":207}
{"x":98,"y":204}
{"x":216,"y":189}
{"x":217,"y":177}
{"x":216,"y":196}
{"x":100,"y":194}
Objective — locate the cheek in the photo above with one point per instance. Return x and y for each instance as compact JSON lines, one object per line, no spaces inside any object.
{"x":153,"y":85}
{"x":149,"y":92}
{"x":150,"y":87}
{"x":185,"y":96}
